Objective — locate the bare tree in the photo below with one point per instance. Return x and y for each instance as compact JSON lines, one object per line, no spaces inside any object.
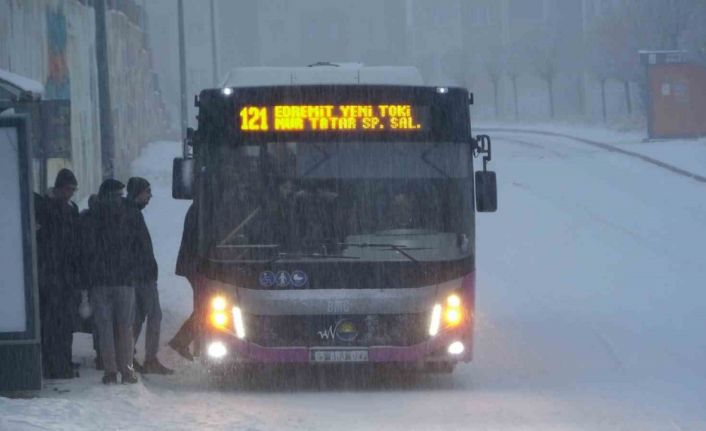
{"x":494,"y":67}
{"x":662,"y":21}
{"x":599,"y":59}
{"x":612,"y":52}
{"x":545,"y":59}
{"x":514,"y":63}
{"x":694,"y":37}
{"x":455,"y":65}
{"x":647,"y":24}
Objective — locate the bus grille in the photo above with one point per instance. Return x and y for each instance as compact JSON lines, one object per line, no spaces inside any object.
{"x":366,"y":330}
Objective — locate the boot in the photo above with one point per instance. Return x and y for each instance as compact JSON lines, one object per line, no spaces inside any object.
{"x":110,"y":378}
{"x":137,"y":366}
{"x":182,"y":350}
{"x":129,"y":377}
{"x":153,"y":366}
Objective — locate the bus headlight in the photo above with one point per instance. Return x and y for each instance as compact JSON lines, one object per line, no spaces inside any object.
{"x":238,"y":321}
{"x":435,"y":323}
{"x":219,"y":316}
{"x":221,"y":319}
{"x":217,"y":350}
{"x":451,"y":314}
{"x":456,"y":348}
{"x":219,"y":303}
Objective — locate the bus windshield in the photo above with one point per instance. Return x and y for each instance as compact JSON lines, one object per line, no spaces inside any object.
{"x":360,"y":200}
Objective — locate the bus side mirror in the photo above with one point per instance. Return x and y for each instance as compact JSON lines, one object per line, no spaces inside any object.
{"x":486,"y":192}
{"x":183,"y":178}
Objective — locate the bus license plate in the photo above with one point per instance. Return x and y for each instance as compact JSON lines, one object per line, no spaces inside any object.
{"x":339,"y":356}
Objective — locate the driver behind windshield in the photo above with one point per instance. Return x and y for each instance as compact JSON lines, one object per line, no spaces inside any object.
{"x":298,"y":219}
{"x":402,"y":212}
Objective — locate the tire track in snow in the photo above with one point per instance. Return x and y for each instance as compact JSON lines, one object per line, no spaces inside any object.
{"x":580,"y":209}
{"x":656,"y":247}
{"x":533,"y":145}
{"x":607,"y":147}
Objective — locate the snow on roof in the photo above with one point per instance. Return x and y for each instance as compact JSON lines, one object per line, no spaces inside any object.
{"x":20,"y":82}
{"x":344,"y":73}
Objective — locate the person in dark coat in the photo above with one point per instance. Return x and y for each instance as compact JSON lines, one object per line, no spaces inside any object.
{"x":188,"y":266}
{"x":110,"y":238}
{"x":83,"y":218}
{"x":57,"y":234}
{"x":139,"y":193}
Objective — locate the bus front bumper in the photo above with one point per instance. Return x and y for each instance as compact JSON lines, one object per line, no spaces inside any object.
{"x":447,"y":346}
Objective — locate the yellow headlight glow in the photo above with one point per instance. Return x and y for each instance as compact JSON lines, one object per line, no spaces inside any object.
{"x":453,"y":316}
{"x":219,"y":319}
{"x":219,"y":303}
{"x":453,"y":301}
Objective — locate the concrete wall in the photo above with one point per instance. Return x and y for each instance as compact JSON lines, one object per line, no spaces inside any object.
{"x":139,"y":116}
{"x":66,"y":67}
{"x":53,"y":42}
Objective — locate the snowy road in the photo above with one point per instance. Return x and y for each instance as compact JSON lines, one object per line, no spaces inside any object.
{"x":591,"y":315}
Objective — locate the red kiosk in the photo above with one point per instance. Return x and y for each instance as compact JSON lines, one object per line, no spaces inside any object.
{"x":676,"y":95}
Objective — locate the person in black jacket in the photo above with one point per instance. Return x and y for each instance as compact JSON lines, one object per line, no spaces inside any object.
{"x":139,"y":193}
{"x":57,"y":234}
{"x":188,"y":266}
{"x":110,"y":238}
{"x":83,"y":218}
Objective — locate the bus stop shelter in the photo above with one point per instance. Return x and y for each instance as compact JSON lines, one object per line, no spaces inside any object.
{"x":49,"y":122}
{"x":20,"y":350}
{"x":676,"y":95}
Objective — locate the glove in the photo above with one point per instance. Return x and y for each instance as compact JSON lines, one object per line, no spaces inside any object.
{"x":84,"y":309}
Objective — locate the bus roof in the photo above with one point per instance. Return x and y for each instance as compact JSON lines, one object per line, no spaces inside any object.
{"x":323,"y":73}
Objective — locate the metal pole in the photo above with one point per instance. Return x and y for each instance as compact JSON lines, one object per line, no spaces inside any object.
{"x":214,"y":46}
{"x":182,"y":71}
{"x":104,"y":105}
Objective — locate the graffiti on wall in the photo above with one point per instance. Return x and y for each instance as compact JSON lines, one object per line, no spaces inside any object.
{"x":58,"y":84}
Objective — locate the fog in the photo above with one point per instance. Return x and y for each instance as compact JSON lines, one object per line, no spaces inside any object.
{"x":523,"y":59}
{"x":377,"y":266}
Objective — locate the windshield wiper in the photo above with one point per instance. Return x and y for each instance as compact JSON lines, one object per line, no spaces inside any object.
{"x":401,"y":249}
{"x":238,"y":228}
{"x":316,"y":165}
{"x":428,"y":162}
{"x":285,"y":254}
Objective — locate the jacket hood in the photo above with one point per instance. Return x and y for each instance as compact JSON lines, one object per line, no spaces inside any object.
{"x":109,"y":186}
{"x":64,"y":178}
{"x":135,"y":186}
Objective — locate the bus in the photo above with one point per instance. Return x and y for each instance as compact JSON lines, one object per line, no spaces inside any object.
{"x":336,"y":217}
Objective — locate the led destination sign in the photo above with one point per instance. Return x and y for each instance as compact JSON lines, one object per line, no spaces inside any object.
{"x":333,"y":118}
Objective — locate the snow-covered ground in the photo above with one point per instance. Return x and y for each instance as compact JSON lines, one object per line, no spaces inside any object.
{"x":688,"y":154}
{"x":591,"y":314}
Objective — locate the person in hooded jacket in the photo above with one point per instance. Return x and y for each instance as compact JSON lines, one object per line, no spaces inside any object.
{"x":110,"y":237}
{"x":139,"y":193}
{"x":57,"y":235}
{"x":188,"y":266}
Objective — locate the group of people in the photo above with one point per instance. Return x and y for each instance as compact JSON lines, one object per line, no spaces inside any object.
{"x":104,"y":253}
